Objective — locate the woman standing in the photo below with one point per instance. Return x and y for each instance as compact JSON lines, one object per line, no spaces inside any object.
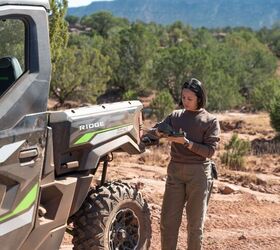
{"x":189,"y":174}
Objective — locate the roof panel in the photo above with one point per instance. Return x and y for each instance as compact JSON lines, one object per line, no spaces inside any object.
{"x":44,"y":3}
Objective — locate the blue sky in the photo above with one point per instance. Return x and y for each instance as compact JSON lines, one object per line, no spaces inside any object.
{"x":76,"y":3}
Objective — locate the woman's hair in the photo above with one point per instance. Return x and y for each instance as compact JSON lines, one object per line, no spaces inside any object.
{"x":197,"y":87}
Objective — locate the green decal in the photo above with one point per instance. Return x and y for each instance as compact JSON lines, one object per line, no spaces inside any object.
{"x":88,"y":136}
{"x":27,"y":201}
{"x":4,"y":78}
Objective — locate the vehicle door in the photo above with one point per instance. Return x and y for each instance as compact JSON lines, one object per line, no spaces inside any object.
{"x":24,"y":87}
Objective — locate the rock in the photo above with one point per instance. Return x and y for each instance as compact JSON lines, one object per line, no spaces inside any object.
{"x":239,"y":124}
{"x":245,"y":185}
{"x":252,"y":133}
{"x":261,"y":181}
{"x":215,"y":188}
{"x":228,"y":189}
{"x":163,"y":178}
{"x":254,"y":187}
{"x":155,"y":207}
{"x":262,"y":190}
{"x":242,"y":237}
{"x":139,"y":185}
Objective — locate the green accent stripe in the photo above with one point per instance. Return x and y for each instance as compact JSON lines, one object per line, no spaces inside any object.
{"x":27,"y":201}
{"x":88,"y":136}
{"x":4,"y":78}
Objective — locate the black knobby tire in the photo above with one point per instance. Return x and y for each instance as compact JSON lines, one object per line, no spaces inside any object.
{"x":115,"y":217}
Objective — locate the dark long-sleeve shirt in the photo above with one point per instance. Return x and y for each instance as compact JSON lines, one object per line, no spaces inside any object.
{"x":202,"y":128}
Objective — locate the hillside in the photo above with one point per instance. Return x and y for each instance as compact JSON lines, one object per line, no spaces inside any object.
{"x":197,"y":13}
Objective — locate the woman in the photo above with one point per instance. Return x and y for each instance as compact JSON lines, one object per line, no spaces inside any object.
{"x":189,"y":174}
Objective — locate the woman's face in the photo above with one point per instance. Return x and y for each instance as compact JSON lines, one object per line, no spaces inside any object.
{"x":189,"y":100}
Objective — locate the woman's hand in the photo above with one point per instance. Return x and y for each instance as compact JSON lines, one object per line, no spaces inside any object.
{"x":177,"y":139}
{"x":181,"y":140}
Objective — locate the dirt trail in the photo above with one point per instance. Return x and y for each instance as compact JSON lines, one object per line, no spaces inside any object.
{"x":246,"y":219}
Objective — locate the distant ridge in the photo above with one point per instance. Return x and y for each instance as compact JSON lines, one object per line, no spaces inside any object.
{"x":207,"y":13}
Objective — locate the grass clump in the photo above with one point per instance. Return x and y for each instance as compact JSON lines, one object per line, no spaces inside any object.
{"x":236,"y":150}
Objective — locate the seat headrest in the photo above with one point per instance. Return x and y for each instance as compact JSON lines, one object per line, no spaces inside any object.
{"x":10,"y":71}
{"x":5,"y":62}
{"x":10,"y":61}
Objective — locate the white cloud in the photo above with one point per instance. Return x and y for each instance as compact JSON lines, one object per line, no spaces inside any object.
{"x":76,"y":3}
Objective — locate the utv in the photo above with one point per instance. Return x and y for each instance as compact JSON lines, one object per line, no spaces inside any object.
{"x":48,"y":159}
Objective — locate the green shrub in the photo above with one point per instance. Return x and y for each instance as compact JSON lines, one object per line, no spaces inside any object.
{"x":130,"y":95}
{"x":264,"y":94}
{"x":163,"y":104}
{"x":236,"y":149}
{"x":275,"y":114}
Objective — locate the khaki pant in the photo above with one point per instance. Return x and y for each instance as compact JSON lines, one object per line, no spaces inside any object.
{"x":187,"y":186}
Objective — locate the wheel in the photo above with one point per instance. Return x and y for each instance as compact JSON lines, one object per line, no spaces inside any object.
{"x":115,"y":217}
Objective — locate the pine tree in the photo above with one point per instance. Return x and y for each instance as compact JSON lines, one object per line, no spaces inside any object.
{"x":275,"y":113}
{"x":58,"y":30}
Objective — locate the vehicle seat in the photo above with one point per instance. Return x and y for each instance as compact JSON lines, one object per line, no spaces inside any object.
{"x":10,"y":71}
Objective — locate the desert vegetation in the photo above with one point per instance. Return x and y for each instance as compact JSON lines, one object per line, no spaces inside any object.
{"x":113,"y":56}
